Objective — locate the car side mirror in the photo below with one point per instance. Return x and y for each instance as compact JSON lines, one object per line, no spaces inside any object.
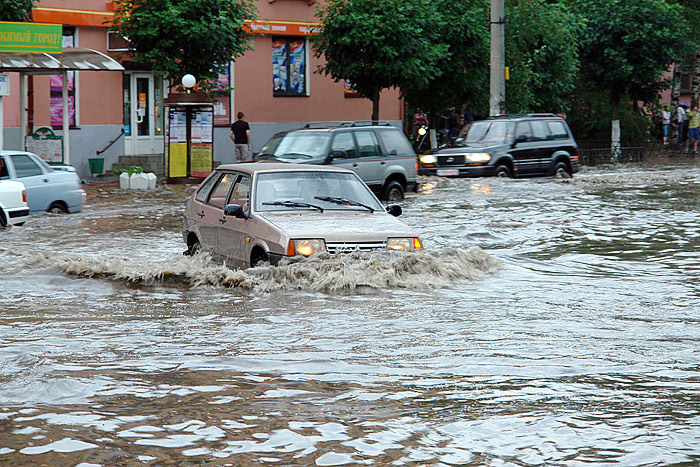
{"x":394,"y":209}
{"x":332,"y":155}
{"x":520,"y":139}
{"x":234,"y":210}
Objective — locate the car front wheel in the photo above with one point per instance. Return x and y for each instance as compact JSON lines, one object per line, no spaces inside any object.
{"x":193,"y":248}
{"x":393,"y":192}
{"x":503,"y":172}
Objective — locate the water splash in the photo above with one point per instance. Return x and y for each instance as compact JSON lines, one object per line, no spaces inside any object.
{"x":321,"y":273}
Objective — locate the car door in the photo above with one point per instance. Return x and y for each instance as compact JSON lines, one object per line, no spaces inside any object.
{"x":545,"y":146}
{"x":344,"y":151}
{"x":524,"y":152}
{"x":35,"y":178}
{"x":370,"y":167}
{"x":233,"y":230}
{"x":209,"y":218}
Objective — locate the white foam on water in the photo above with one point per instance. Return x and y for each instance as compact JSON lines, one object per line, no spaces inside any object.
{"x":335,"y":458}
{"x":64,"y":445}
{"x":6,"y":451}
{"x":322,"y":273}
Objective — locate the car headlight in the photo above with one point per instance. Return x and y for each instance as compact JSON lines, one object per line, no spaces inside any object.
{"x":306,"y":247}
{"x":428,"y":159}
{"x":405,"y":244}
{"x":478,"y":157}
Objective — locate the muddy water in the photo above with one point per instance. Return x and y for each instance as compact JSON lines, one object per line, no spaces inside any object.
{"x":548,"y":322}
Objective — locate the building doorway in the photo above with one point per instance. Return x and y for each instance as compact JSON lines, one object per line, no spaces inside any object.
{"x":143,"y":95}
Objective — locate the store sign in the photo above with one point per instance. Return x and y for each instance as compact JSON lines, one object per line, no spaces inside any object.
{"x":285,"y":28}
{"x":4,"y":84}
{"x":31,"y":37}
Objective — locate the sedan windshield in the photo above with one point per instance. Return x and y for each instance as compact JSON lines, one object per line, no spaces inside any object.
{"x":489,"y":132}
{"x":296,"y":145}
{"x":315,"y":190}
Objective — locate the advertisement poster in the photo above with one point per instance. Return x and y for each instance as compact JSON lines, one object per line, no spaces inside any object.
{"x":297,"y":66}
{"x":196,"y":127}
{"x":279,"y":66}
{"x":201,"y":157}
{"x":56,"y":110}
{"x":207,"y":126}
{"x":349,"y":90}
{"x":178,"y":160}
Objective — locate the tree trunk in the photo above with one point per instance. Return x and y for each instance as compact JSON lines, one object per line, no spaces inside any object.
{"x":695,"y":86}
{"x":675,"y":97}
{"x":375,"y":105}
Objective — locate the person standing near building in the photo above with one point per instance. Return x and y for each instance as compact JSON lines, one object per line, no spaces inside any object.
{"x":693,"y":128}
{"x":665,"y":122}
{"x":240,"y":135}
{"x":680,"y":118}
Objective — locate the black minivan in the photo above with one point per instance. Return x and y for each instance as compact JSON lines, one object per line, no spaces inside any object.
{"x":507,"y":146}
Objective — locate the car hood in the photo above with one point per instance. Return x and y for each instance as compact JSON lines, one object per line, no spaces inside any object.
{"x":337,"y":226}
{"x":471,"y":147}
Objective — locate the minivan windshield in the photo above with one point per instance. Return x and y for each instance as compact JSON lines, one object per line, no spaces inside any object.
{"x":489,"y":132}
{"x":318,"y":190}
{"x":296,"y":145}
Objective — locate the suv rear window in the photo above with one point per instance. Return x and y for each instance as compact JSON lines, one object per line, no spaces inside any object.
{"x":557,"y":130}
{"x":367,"y":143}
{"x":395,"y":143}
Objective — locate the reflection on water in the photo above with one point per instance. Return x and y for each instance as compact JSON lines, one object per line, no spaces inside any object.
{"x":548,"y":322}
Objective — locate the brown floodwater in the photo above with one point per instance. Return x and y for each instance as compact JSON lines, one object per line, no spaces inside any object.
{"x":548,"y":322}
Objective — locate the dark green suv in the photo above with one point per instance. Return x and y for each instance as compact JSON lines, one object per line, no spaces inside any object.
{"x":507,"y":146}
{"x":377,"y":151}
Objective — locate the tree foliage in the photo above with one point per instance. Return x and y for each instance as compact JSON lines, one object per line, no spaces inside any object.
{"x":16,"y":10}
{"x":541,"y":55}
{"x":626,"y":46}
{"x":378,"y":44}
{"x":459,"y":74}
{"x":177,"y":37}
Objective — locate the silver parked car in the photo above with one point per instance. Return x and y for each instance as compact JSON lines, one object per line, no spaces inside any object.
{"x":56,"y":189}
{"x":261,"y":212}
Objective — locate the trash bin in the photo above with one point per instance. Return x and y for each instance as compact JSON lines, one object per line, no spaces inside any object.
{"x":97,"y":166}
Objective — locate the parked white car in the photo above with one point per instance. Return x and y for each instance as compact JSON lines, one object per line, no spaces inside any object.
{"x":56,"y":189}
{"x":13,"y":203}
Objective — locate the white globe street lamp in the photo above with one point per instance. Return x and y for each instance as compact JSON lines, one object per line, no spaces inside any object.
{"x":188,"y":81}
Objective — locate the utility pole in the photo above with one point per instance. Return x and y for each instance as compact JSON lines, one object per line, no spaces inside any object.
{"x":497,"y":101}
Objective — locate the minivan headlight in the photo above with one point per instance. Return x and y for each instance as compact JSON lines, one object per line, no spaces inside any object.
{"x":428,"y":159}
{"x":405,"y":244}
{"x":478,"y":157}
{"x":306,"y":247}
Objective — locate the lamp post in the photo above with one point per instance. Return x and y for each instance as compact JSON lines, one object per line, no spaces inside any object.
{"x":188,"y":81}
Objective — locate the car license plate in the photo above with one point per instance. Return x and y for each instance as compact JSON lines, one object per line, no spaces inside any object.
{"x":447,"y":172}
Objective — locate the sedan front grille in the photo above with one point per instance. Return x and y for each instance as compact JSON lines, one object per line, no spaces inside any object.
{"x":450,"y":160}
{"x":334,"y":248}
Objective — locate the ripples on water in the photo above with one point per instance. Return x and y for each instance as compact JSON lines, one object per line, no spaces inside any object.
{"x":547,"y":323}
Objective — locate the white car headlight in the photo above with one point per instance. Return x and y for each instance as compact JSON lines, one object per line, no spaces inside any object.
{"x":405,"y":244}
{"x":306,"y":247}
{"x":428,"y":159}
{"x":478,"y":157}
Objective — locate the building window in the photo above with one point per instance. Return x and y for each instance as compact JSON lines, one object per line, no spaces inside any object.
{"x":56,"y":84}
{"x":289,"y":67}
{"x":686,"y":82}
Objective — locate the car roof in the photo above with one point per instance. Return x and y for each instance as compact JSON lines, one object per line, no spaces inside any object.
{"x":532,"y":116}
{"x":335,"y":126}
{"x":264,"y":166}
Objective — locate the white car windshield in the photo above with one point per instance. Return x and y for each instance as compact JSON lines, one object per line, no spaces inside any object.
{"x":490,"y":131}
{"x":297,"y":145}
{"x":315,"y":190}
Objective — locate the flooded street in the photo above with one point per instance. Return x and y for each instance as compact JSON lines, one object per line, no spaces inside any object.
{"x":548,"y":322}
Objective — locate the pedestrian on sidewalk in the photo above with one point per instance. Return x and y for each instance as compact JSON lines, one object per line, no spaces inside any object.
{"x":665,"y":121}
{"x":693,"y":128}
{"x":240,"y":135}
{"x":680,"y":118}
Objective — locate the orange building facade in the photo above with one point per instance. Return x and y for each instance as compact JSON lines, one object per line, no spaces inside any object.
{"x":274,"y":84}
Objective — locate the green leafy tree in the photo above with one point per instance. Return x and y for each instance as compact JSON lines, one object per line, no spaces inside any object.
{"x":177,"y":37}
{"x":378,"y":44}
{"x":16,"y":10}
{"x":541,"y":55}
{"x":459,"y":76}
{"x":626,"y":46}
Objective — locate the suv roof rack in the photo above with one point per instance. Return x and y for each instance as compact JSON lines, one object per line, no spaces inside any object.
{"x":532,"y":115}
{"x":346,"y":124}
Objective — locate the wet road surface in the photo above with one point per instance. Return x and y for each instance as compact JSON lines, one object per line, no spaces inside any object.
{"x":548,"y":322}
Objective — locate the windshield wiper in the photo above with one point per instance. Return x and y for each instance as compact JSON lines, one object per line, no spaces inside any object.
{"x":294,"y":154}
{"x":343,"y":201}
{"x":294,"y":204}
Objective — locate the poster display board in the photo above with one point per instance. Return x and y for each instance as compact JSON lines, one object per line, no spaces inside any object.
{"x":190,"y":138}
{"x":45,"y":144}
{"x":177,"y":142}
{"x":201,"y":152}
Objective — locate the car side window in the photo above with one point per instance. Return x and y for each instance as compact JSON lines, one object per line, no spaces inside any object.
{"x":25,"y":166}
{"x":220,"y":193}
{"x":557,"y":130}
{"x":203,"y":192}
{"x":241,"y":192}
{"x":395,"y":143}
{"x":3,"y":168}
{"x":539,"y":131}
{"x":343,"y":146}
{"x":367,"y":143}
{"x":523,"y":129}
